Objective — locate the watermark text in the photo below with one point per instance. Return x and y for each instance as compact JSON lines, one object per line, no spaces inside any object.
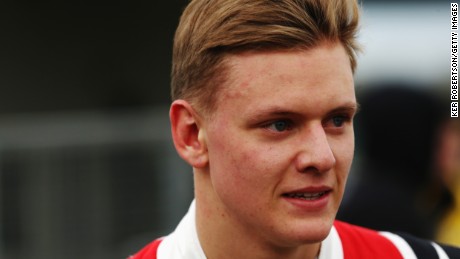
{"x":454,"y":60}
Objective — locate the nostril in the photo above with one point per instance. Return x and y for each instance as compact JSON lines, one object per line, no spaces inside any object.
{"x":310,"y":169}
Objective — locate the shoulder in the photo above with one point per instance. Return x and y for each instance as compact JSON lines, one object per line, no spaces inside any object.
{"x":359,"y":242}
{"x":181,"y":243}
{"x":149,"y":251}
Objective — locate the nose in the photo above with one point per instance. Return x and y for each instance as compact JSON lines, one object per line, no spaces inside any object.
{"x":315,"y":154}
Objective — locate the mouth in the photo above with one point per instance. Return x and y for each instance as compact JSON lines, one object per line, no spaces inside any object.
{"x":310,"y":199}
{"x":309,"y":196}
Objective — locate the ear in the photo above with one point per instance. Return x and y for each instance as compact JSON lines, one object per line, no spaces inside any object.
{"x":189,"y":138}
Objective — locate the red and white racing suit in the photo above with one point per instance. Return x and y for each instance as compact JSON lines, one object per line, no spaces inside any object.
{"x":344,"y":241}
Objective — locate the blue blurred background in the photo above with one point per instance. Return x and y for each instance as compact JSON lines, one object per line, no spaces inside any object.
{"x":87,"y":167}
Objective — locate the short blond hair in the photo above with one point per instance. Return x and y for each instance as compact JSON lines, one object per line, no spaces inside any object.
{"x":211,"y":29}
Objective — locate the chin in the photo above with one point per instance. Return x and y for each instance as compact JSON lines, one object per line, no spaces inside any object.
{"x":314,"y":235}
{"x":307,"y":233}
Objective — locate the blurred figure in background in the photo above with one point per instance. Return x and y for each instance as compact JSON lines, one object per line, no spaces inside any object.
{"x":449,"y":161}
{"x":397,"y":189}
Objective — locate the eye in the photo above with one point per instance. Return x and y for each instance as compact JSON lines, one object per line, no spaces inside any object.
{"x":279,"y":125}
{"x":338,"y":121}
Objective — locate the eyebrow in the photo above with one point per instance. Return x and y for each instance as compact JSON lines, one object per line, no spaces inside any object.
{"x":279,"y":111}
{"x":271,"y":111}
{"x":351,"y":107}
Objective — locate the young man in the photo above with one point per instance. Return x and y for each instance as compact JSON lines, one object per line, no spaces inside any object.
{"x":263,"y":106}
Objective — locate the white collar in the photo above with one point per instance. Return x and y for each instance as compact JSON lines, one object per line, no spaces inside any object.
{"x":183,"y":242}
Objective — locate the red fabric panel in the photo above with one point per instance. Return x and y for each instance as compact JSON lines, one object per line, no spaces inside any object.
{"x":149,"y":251}
{"x":358,"y":242}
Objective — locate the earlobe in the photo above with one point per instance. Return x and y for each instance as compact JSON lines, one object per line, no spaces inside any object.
{"x":188,"y":135}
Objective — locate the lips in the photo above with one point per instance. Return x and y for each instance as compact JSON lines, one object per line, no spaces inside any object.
{"x":308,"y":200}
{"x":309,"y":194}
{"x":305,"y":195}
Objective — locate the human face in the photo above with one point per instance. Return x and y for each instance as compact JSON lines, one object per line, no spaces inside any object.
{"x":280,"y":142}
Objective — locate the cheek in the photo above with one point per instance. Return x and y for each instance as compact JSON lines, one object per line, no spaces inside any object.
{"x":344,"y":152}
{"x":229,"y":160}
{"x":240,"y":166}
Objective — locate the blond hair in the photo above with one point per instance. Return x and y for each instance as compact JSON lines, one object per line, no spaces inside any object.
{"x":210,"y":29}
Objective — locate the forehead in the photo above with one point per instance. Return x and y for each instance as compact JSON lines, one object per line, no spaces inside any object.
{"x":314,"y":76}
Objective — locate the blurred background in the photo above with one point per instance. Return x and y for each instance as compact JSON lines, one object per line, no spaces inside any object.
{"x":87,"y":167}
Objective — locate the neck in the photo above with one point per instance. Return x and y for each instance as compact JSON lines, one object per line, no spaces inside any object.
{"x":222,"y":236}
